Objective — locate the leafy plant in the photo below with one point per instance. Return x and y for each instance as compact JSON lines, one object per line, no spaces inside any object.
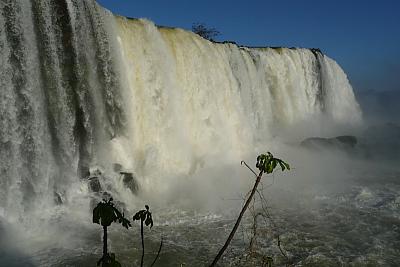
{"x":266,"y":163}
{"x":105,"y":213}
{"x":143,"y":216}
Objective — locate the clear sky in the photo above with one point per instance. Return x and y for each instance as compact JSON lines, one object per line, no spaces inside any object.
{"x":362,"y":36}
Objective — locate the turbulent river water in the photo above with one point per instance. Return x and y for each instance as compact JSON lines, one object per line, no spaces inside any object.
{"x":82,"y":90}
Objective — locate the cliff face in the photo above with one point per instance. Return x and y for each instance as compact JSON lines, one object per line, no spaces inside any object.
{"x":80,"y":86}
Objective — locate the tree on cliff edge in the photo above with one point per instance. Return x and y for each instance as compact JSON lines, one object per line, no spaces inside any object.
{"x":204,"y":31}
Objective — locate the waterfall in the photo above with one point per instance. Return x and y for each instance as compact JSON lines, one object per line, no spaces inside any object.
{"x":59,"y":94}
{"x":80,"y":86}
{"x":190,"y":98}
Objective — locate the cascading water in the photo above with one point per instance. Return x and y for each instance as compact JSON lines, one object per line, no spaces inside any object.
{"x":189,"y":99}
{"x":60,"y":94}
{"x":77,"y":81}
{"x":81,"y":87}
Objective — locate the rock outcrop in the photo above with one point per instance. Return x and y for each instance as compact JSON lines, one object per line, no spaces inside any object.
{"x":345,"y":142}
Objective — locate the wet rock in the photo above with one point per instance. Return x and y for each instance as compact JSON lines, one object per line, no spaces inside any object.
{"x":94,"y":184}
{"x":117,"y":167}
{"x":130,"y":181}
{"x":83,"y":171}
{"x":344,"y":142}
{"x":57,"y":198}
{"x":106,"y":195}
{"x":316,"y":51}
{"x":347,"y":140}
{"x":96,"y":171}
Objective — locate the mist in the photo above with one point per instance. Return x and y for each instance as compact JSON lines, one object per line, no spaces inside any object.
{"x":380,"y":106}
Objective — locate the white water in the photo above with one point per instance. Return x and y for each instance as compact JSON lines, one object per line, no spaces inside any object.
{"x":81,"y":88}
{"x":188,"y":99}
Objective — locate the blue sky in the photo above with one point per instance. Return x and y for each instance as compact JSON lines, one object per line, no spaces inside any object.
{"x":362,"y":36}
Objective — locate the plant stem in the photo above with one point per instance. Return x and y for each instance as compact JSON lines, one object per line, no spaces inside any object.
{"x":253,"y":191}
{"x":141,"y":233}
{"x":104,"y":245}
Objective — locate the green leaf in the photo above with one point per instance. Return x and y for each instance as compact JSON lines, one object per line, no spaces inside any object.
{"x":96,"y":215}
{"x":125,"y":222}
{"x":270,"y":168}
{"x":149,"y":220}
{"x":105,"y":213}
{"x":267,"y":163}
{"x":138,"y":215}
{"x":282,"y":165}
{"x":274,"y":164}
{"x":287,"y":165}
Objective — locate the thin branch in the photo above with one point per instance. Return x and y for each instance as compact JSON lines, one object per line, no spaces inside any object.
{"x":266,"y":163}
{"x":238,"y":220}
{"x":268,"y":215}
{"x":279,"y":246}
{"x":158,"y":253}
{"x":244,"y":162}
